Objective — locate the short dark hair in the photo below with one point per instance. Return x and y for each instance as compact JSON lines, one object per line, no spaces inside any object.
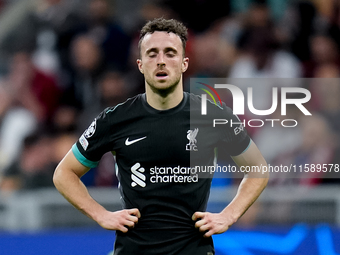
{"x":164,"y":25}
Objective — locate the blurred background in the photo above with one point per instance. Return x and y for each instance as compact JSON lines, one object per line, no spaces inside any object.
{"x":64,"y":61}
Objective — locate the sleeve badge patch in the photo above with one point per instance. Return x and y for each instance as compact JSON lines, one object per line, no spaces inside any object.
{"x":91,"y":129}
{"x":83,"y":142}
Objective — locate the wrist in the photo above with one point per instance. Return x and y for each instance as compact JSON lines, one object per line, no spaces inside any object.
{"x":95,"y":212}
{"x":230,"y":214}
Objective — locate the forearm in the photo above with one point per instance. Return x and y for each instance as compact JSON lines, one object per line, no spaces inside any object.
{"x":67,"y":180}
{"x":216,"y":223}
{"x":73,"y":189}
{"x":252,"y":184}
{"x":247,"y":193}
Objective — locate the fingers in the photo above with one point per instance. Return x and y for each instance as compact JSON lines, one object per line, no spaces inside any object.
{"x":122,"y":220}
{"x":129,"y":223}
{"x":123,"y":229}
{"x":131,"y":218}
{"x":197,"y":215}
{"x":204,"y":227}
{"x":203,"y":223}
{"x":200,"y":223}
{"x":134,"y":211}
{"x":209,"y":233}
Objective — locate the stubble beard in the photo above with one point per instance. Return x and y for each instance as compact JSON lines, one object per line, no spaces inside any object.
{"x":163,"y":92}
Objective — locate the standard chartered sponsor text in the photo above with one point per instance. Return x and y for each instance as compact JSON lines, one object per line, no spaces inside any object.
{"x":175,"y":174}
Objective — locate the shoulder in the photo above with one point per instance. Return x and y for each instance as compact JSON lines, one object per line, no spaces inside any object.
{"x":121,"y":108}
{"x":213,"y":108}
{"x":115,"y":114}
{"x":196,"y":100}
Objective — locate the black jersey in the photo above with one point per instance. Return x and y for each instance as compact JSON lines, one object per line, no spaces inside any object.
{"x":156,"y":154}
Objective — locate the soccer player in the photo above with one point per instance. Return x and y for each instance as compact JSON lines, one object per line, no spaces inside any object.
{"x":157,"y":138}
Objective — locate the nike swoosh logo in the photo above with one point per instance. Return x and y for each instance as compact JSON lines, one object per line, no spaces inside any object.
{"x":127,"y":142}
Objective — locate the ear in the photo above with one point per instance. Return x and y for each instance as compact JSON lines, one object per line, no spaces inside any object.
{"x":185,"y":64}
{"x":140,"y":65}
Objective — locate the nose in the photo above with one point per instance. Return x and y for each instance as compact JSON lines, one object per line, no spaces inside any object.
{"x":160,"y":60}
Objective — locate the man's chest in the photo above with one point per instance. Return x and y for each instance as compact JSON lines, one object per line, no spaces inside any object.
{"x":164,"y":141}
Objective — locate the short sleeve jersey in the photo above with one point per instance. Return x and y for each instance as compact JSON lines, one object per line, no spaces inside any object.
{"x":156,"y":155}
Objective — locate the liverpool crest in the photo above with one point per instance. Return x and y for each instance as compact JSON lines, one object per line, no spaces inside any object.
{"x":191,"y":135}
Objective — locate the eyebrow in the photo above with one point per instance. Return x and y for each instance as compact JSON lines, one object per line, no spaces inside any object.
{"x":170,"y":49}
{"x":167,"y":49}
{"x":152,"y":50}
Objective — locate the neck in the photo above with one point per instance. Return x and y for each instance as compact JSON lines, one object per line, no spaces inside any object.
{"x":166,"y":99}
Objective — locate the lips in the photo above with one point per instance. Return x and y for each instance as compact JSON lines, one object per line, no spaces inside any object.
{"x":161,"y":74}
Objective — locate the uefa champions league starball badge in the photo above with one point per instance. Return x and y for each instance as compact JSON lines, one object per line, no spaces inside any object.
{"x":91,"y":130}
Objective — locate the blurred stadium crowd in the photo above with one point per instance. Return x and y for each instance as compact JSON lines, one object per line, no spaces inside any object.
{"x":63,"y":61}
